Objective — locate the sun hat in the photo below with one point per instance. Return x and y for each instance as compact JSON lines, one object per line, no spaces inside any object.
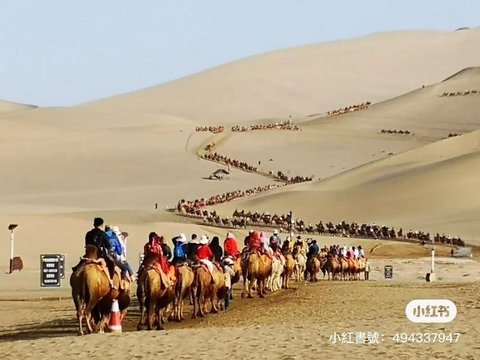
{"x":204,"y":240}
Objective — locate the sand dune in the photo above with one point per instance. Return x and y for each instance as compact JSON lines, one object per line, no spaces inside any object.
{"x":117,"y":157}
{"x":310,"y":79}
{"x":433,"y":188}
{"x":7,"y":106}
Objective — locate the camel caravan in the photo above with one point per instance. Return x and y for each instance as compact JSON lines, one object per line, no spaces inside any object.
{"x":193,"y":207}
{"x":279,"y":176}
{"x":198,"y":270}
{"x":348,"y":109}
{"x":400,"y":132}
{"x":459,"y":93}
{"x":212,"y":129}
{"x":283,"y":125}
{"x":243,"y":219}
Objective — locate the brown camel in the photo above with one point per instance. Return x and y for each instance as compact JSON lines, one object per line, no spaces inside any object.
{"x":183,"y":287}
{"x":256,"y":267}
{"x":204,"y":288}
{"x":331,"y":266}
{"x":354,"y":269}
{"x":312,"y":268}
{"x":90,"y":285}
{"x":289,"y":269}
{"x":344,"y":270}
{"x":152,"y":293}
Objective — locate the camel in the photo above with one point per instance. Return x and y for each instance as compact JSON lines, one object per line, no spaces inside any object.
{"x":331,"y":266}
{"x":274,"y":281}
{"x":255,"y":267}
{"x":152,"y":293}
{"x":312,"y":268}
{"x":204,"y":288}
{"x":344,"y":270}
{"x":300,"y":265}
{"x":90,"y":285}
{"x":288,"y":269}
{"x":182,"y":288}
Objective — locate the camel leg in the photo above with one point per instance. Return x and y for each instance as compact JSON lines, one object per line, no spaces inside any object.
{"x":214,"y":301}
{"x":159,"y":313}
{"x":193,"y":301}
{"x":201,"y":301}
{"x":80,"y":312}
{"x":100,"y":328}
{"x":250,"y":285}
{"x":88,"y":319}
{"x":141,"y":322}
{"x":245,"y":287}
{"x":180,"y":309}
{"x":151,"y":314}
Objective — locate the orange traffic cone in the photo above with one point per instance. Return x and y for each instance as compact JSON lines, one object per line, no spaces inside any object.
{"x":115,"y":324}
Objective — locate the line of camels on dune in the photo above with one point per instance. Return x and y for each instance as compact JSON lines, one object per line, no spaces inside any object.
{"x":348,"y":109}
{"x":243,"y":219}
{"x":460,"y":93}
{"x":280,"y":176}
{"x":192,"y":206}
{"x":401,"y":132}
{"x":282,"y":125}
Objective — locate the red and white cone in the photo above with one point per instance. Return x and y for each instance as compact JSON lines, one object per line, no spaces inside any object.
{"x":115,"y":324}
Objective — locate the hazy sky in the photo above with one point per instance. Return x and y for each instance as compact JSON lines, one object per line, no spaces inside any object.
{"x":59,"y":52}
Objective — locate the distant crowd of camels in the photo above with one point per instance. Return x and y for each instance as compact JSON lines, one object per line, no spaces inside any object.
{"x":460,"y":93}
{"x":283,"y":125}
{"x":454,"y":134}
{"x":212,"y":129}
{"x":349,"y":109}
{"x":193,"y":207}
{"x":401,"y":132}
{"x":242,"y":219}
{"x":280,"y":176}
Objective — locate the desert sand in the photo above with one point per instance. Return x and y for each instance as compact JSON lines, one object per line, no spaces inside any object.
{"x":118,"y":157}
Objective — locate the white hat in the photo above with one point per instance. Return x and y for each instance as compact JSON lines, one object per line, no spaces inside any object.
{"x":230,"y":236}
{"x":116,"y":230}
{"x":228,"y":261}
{"x":275,"y":232}
{"x":204,"y":240}
{"x":182,"y":238}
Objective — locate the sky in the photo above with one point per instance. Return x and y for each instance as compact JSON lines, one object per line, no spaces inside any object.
{"x":62,"y":53}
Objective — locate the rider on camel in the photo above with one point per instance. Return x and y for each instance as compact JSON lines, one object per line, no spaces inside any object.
{"x":154,"y":247}
{"x":230,"y":246}
{"x":313,"y":250}
{"x":205,"y":255}
{"x":99,"y":239}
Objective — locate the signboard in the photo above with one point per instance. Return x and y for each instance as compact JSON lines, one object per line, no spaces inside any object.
{"x":388,"y":271}
{"x":50,"y":270}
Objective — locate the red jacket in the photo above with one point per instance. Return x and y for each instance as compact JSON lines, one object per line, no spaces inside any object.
{"x":156,"y":248}
{"x":254,"y":242}
{"x":204,"y":252}
{"x":153,"y":247}
{"x":230,"y":247}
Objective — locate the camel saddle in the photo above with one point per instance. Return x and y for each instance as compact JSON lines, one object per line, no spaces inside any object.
{"x":164,"y":278}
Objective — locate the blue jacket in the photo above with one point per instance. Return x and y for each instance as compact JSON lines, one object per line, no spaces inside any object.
{"x":116,"y":247}
{"x":313,"y":250}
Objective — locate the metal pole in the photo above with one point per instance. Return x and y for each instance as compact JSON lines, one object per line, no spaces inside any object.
{"x":291,"y":226}
{"x":433,"y":261}
{"x":12,"y":249}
